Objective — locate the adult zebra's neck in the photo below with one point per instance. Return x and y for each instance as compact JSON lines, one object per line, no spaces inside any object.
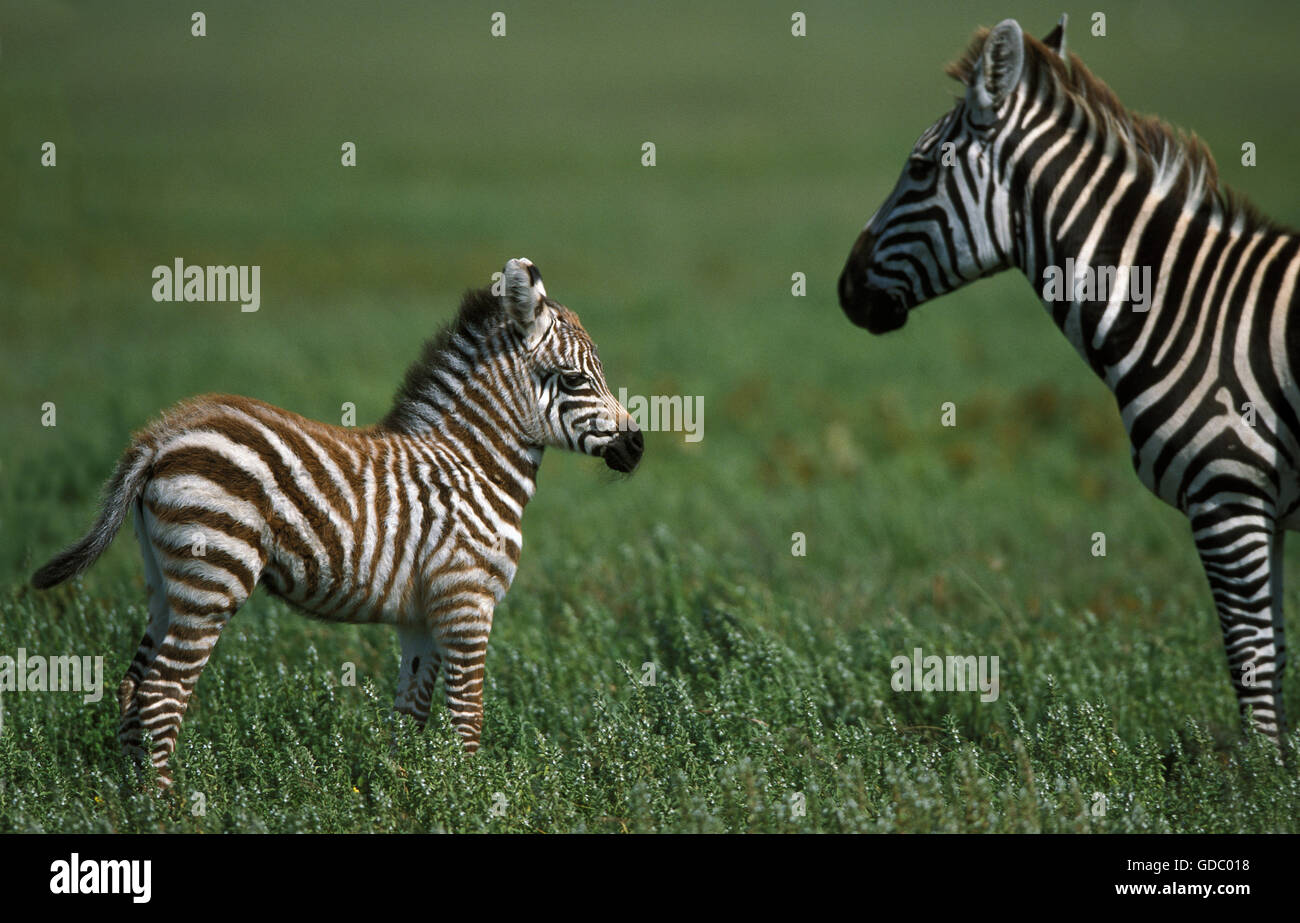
{"x":1093,"y":235}
{"x":469,"y":395}
{"x":1115,"y":215}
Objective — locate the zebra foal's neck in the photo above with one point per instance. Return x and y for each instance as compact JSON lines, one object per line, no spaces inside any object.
{"x":469,"y":393}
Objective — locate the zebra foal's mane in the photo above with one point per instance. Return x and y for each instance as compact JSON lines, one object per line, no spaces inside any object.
{"x":1178,"y":160}
{"x":480,"y":312}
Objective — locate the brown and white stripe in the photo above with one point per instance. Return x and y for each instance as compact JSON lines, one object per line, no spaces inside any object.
{"x":414,"y":522}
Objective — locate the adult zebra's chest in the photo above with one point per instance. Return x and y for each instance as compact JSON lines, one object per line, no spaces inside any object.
{"x":1188,"y":434}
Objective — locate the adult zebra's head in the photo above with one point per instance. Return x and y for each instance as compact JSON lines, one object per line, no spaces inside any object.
{"x":949,"y":219}
{"x":574,"y":407}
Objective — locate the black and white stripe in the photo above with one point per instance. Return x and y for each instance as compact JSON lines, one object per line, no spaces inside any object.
{"x":1039,"y":164}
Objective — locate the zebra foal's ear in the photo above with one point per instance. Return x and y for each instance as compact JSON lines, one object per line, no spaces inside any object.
{"x":1001,"y":62}
{"x":522,"y":295}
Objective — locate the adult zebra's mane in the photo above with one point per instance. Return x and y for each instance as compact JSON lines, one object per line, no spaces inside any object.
{"x":1179,"y":161}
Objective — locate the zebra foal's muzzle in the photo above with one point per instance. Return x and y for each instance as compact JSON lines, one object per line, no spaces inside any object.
{"x":623,"y":453}
{"x":874,"y":308}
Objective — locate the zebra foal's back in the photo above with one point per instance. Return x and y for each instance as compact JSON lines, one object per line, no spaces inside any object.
{"x":272,"y":496}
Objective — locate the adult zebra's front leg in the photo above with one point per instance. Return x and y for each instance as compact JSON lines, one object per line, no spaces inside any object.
{"x":1240,"y":546}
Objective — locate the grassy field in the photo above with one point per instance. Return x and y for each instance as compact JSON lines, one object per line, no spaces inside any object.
{"x":772,"y":670}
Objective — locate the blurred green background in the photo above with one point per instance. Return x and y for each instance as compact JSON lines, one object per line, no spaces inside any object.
{"x":771,"y":153}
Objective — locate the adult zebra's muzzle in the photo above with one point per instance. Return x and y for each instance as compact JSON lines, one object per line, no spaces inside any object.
{"x":876,"y":309}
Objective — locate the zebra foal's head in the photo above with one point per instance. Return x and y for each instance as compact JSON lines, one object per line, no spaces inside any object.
{"x":574,"y":407}
{"x":949,"y":219}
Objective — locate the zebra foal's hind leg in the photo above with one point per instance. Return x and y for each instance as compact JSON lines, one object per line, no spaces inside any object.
{"x":419,"y":672}
{"x":130,"y":730}
{"x":1241,"y":551}
{"x":191,"y":598}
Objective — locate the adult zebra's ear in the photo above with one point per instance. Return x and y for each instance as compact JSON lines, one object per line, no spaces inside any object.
{"x":1001,"y":63}
{"x":1055,"y":39}
{"x":524,"y":297}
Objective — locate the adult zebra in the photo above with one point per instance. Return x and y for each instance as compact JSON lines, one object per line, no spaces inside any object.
{"x":1038,"y":167}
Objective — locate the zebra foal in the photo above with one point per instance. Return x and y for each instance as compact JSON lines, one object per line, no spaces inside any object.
{"x":1040,"y":167}
{"x":413,"y":522}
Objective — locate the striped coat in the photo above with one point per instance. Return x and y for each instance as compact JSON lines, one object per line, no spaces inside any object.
{"x":414,"y":522}
{"x":1039,"y":167}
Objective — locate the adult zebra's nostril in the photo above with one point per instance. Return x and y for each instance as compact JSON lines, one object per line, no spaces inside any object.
{"x":846,"y":285}
{"x":855,"y":296}
{"x":852,"y":296}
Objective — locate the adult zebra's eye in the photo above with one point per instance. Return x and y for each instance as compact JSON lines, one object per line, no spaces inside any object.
{"x":919,"y":168}
{"x":573,"y":379}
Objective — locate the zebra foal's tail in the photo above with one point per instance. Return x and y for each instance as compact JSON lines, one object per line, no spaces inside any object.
{"x":120,"y":492}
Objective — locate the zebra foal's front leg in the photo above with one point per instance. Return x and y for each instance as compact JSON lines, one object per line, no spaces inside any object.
{"x":1241,"y":550}
{"x":461,"y":626}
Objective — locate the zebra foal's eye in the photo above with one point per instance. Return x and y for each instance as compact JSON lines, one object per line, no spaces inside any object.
{"x":573,"y":379}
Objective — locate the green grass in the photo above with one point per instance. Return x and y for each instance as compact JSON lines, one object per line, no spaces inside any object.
{"x":773,"y":671}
